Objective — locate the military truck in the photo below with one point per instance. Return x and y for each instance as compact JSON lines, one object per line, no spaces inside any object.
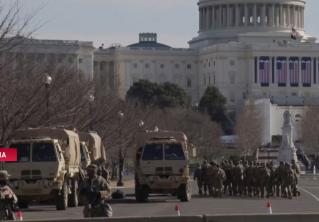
{"x":161,"y":165}
{"x":94,"y":144}
{"x":47,"y":167}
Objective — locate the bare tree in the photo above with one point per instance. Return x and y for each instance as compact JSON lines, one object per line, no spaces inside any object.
{"x":248,"y":128}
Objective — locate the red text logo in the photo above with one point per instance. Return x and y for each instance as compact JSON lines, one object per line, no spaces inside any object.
{"x":8,"y":155}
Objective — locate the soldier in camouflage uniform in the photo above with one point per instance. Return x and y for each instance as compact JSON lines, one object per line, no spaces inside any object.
{"x":288,"y":180}
{"x":271,"y":182}
{"x":95,"y":191}
{"x":219,"y":178}
{"x":296,"y":169}
{"x":249,"y":178}
{"x":198,"y":178}
{"x":228,"y":167}
{"x":211,"y":177}
{"x":205,"y":178}
{"x":262,"y":179}
{"x":237,"y":175}
{"x":278,"y":179}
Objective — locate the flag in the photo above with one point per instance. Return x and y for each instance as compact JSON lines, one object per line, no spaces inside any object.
{"x":294,"y":71}
{"x":264,"y":71}
{"x":281,"y":69}
{"x":294,"y":33}
{"x":306,"y":71}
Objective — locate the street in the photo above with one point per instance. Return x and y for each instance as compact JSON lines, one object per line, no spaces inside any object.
{"x":160,"y":205}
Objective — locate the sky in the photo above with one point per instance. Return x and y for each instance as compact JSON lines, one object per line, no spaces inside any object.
{"x":120,"y":21}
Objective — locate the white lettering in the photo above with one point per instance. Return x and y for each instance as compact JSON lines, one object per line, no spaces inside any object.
{"x":3,"y":155}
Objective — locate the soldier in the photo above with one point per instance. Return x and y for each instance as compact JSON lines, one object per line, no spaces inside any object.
{"x":228,"y":167}
{"x":198,"y":178}
{"x":237,"y":174}
{"x":96,"y":191}
{"x":278,"y":179}
{"x":262,"y":179}
{"x":205,"y":178}
{"x":249,"y":178}
{"x":219,"y":178}
{"x":245,"y":177}
{"x":288,"y":180}
{"x":271,"y":182}
{"x":102,"y":168}
{"x":8,"y":195}
{"x":296,"y":169}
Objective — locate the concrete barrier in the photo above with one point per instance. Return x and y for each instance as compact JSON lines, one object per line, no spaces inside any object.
{"x":263,"y":218}
{"x":131,"y":219}
{"x":205,"y":218}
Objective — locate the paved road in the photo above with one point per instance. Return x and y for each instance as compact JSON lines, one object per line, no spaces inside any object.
{"x":165,"y":206}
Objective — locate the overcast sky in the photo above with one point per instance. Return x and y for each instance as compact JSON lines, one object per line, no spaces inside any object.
{"x":120,"y":21}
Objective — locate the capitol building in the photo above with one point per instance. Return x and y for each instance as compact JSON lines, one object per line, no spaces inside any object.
{"x":244,"y":48}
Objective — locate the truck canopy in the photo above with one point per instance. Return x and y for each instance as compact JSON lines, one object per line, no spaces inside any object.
{"x":95,"y":145}
{"x":68,"y":139}
{"x":143,"y":137}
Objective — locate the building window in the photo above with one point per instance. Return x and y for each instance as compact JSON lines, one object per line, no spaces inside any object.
{"x":147,"y":65}
{"x":177,"y":66}
{"x":71,"y":60}
{"x":135,"y":65}
{"x":232,"y":62}
{"x":80,"y":60}
{"x":189,"y":83}
{"x":189,"y":66}
{"x":162,"y":66}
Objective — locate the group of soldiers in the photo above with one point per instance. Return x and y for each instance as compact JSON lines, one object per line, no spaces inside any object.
{"x":248,"y":178}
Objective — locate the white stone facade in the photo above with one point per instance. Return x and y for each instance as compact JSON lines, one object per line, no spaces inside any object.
{"x":244,"y":48}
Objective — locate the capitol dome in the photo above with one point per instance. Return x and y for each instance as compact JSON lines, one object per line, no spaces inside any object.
{"x":225,"y":20}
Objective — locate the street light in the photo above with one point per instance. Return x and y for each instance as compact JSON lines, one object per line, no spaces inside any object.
{"x":91,"y":99}
{"x":121,"y":156}
{"x":47,"y":82}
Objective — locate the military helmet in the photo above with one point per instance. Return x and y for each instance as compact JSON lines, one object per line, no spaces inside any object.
{"x":92,"y":167}
{"x":4,"y":175}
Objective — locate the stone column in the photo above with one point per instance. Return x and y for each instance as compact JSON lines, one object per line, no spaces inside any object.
{"x":255,"y":14}
{"x":295,"y":17}
{"x":221,"y":16}
{"x":208,"y":18}
{"x":213,"y":22}
{"x":281,"y":16}
{"x":302,"y":17}
{"x":272,"y":15}
{"x":237,"y":15}
{"x":288,"y":16}
{"x":246,"y":15}
{"x":228,"y":16}
{"x":200,"y":19}
{"x":263,"y":15}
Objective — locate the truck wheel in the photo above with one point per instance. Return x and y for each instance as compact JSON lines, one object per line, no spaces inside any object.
{"x":22,"y":204}
{"x":184,"y":193}
{"x":62,"y":197}
{"x":73,"y":198}
{"x":141,"y":193}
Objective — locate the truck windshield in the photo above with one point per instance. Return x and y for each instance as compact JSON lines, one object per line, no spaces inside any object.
{"x":174,"y":151}
{"x":43,"y":152}
{"x":153,"y":152}
{"x":23,"y":151}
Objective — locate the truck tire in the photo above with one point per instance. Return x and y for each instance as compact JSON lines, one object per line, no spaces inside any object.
{"x":184,"y":193}
{"x":23,"y":204}
{"x":141,"y":193}
{"x":73,"y":197}
{"x":62,"y":197}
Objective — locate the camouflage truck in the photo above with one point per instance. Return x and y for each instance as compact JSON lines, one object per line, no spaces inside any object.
{"x":161,"y":165}
{"x":94,"y":144}
{"x":47,"y":167}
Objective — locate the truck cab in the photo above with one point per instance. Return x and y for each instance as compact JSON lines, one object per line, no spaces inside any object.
{"x":161,"y":165}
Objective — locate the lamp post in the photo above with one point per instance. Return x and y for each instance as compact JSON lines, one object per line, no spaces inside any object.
{"x":121,"y":155}
{"x":91,"y":100}
{"x":47,"y":82}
